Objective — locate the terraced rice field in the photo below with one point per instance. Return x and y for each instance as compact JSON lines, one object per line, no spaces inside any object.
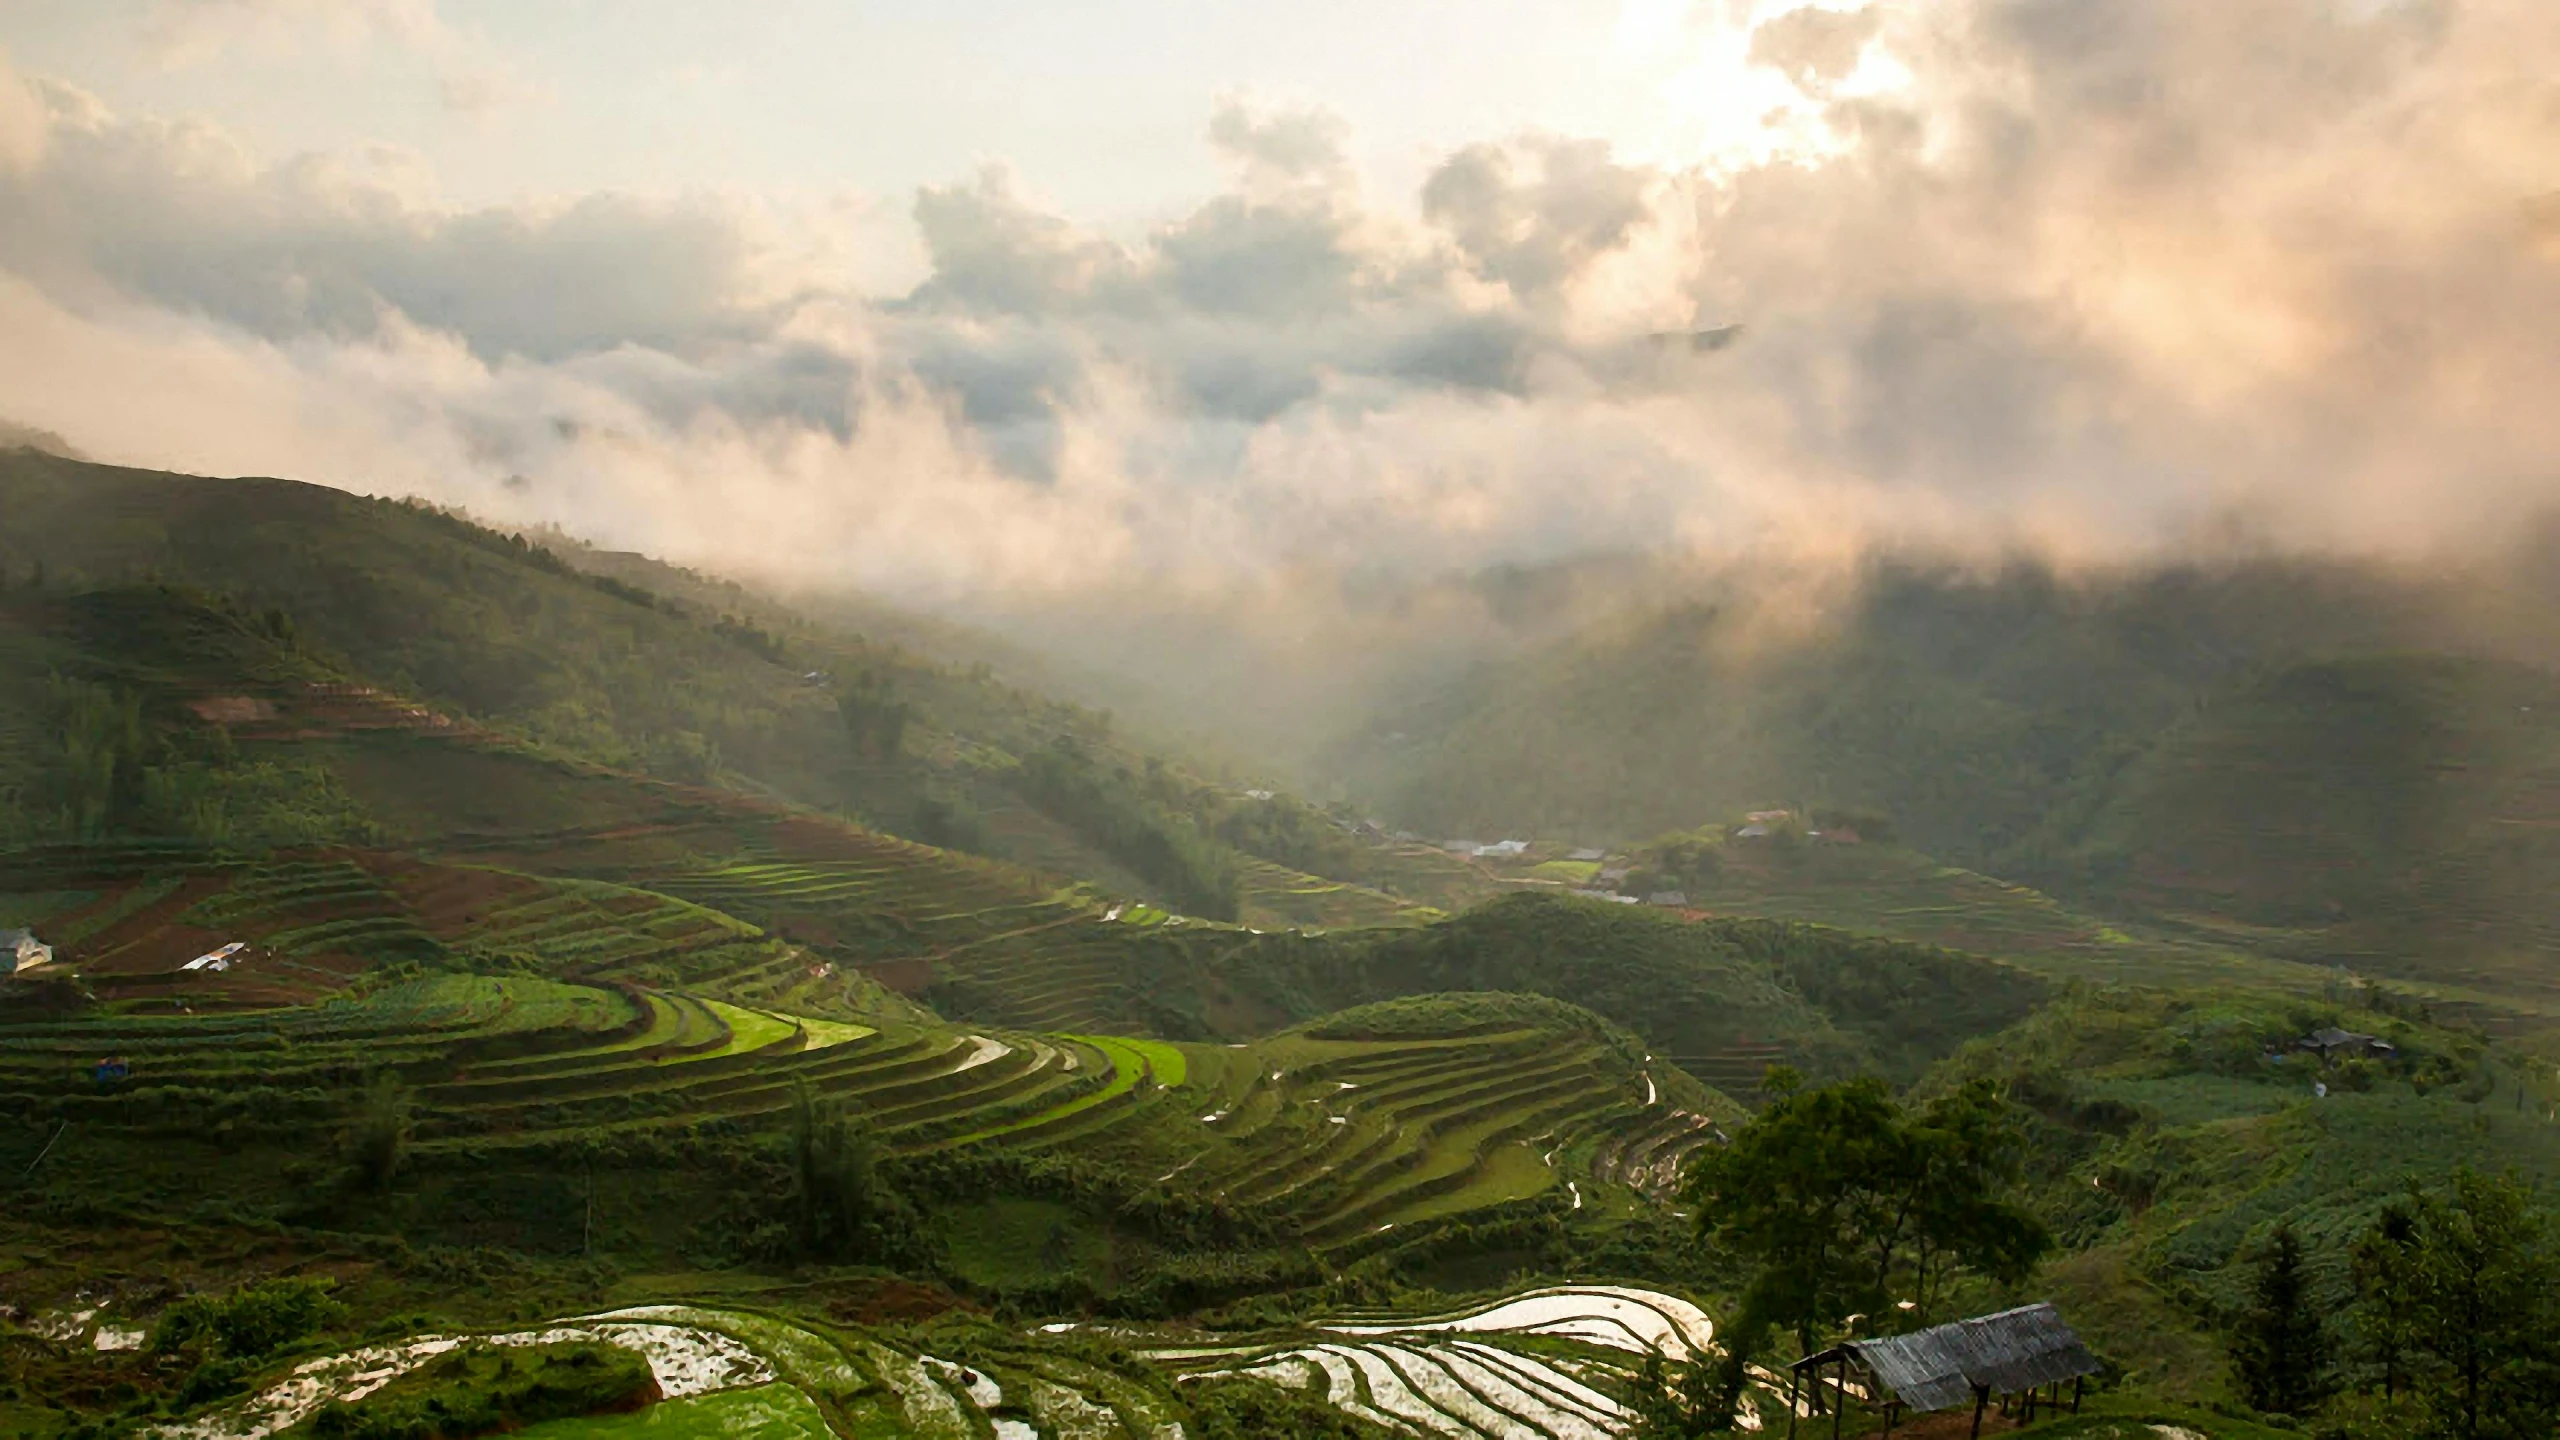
{"x":301,"y":929}
{"x":422,"y":1026}
{"x":1276,"y":897}
{"x":1557,"y":1362}
{"x":728,"y":1372}
{"x":1342,"y":1140}
{"x":1352,"y":1138}
{"x":588,"y":929}
{"x":1554,"y":1363}
{"x":1887,"y":891}
{"x":844,"y":887}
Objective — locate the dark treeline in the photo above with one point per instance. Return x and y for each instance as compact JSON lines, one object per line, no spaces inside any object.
{"x":1107,"y":806}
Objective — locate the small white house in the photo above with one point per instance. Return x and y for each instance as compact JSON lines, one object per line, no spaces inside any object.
{"x":1503,"y":849}
{"x":20,"y":949}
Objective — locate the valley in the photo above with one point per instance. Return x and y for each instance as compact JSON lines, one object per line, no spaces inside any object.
{"x":460,"y":953}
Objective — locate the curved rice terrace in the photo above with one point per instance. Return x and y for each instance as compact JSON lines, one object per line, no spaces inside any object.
{"x":721,"y":1371}
{"x":1337,"y":1139}
{"x":1557,"y":1362}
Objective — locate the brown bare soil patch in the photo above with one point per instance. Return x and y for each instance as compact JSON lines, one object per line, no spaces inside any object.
{"x":449,"y":899}
{"x":907,"y":977}
{"x":101,"y":949}
{"x":884,"y":1301}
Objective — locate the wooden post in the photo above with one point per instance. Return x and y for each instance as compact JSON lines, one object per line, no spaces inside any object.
{"x":1981,"y":1397}
{"x":2076,"y":1382}
{"x":1793,"y":1375}
{"x":1839,"y":1397}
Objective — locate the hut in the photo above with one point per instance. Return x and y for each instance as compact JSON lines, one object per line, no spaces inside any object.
{"x":2026,"y":1354}
{"x":2332,"y":1043}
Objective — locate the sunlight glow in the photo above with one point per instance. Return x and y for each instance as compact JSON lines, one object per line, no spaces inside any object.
{"x":1726,"y":109}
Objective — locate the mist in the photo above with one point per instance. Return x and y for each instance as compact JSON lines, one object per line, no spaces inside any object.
{"x":2100,"y":282}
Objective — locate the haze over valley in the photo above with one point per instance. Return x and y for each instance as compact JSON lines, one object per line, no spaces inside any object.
{"x":1640,"y":719}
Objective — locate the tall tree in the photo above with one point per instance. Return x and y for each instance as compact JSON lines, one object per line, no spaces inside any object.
{"x":841,"y":1200}
{"x":2465,"y":1281}
{"x":1843,"y":1203}
{"x":2379,"y":1264}
{"x":2281,"y":1346}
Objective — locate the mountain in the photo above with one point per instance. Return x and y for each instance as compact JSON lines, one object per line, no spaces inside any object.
{"x":643,"y":667}
{"x":2317,"y":760}
{"x":2394,"y":812}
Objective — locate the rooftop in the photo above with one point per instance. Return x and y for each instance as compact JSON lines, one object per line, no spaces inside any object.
{"x":1944,"y":1365}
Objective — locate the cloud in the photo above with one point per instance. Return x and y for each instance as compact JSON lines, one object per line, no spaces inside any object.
{"x":1281,"y":150}
{"x":2091,"y":275}
{"x":1814,"y":47}
{"x":182,"y":33}
{"x":469,"y":76}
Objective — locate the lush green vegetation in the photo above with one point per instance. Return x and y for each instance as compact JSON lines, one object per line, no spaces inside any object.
{"x":1108,"y":808}
{"x":1841,"y":1203}
{"x":544,"y":964}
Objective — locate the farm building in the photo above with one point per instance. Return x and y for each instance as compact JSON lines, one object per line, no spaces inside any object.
{"x":1501,"y":849}
{"x":2333,"y":1043}
{"x":20,"y":949}
{"x":1676,"y":899}
{"x":2020,"y":1356}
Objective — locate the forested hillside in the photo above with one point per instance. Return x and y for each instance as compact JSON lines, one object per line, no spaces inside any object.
{"x":664,"y":673}
{"x":2303,"y":748}
{"x":1978,"y":712}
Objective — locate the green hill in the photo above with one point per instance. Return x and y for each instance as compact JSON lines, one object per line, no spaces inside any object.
{"x":663,"y":673}
{"x":1977,"y":711}
{"x":2274,"y":760}
{"x":2397,"y":813}
{"x":2172,"y":1131}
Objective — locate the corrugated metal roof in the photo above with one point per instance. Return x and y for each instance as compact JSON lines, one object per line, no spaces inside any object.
{"x":1938,"y":1367}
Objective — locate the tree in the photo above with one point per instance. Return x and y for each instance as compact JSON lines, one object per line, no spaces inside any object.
{"x":2463,"y":1285}
{"x":380,"y":1132}
{"x":842,"y":1205}
{"x":2379,"y":1263}
{"x":2281,"y":1347}
{"x":251,"y":1322}
{"x":875,"y":719}
{"x":1842,"y":1203}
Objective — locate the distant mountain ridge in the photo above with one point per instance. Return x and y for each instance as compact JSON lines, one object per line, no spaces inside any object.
{"x":2331,"y":749}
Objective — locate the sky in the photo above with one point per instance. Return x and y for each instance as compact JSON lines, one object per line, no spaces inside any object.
{"x":987,"y":304}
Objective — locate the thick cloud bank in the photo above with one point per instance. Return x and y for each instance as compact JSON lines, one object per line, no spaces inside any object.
{"x":2094,"y":275}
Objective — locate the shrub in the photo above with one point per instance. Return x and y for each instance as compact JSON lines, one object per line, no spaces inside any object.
{"x":252,"y":1321}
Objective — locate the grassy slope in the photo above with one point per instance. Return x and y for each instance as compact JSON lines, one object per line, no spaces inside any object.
{"x":2173,"y":1130}
{"x":1704,"y":993}
{"x":2401,"y":814}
